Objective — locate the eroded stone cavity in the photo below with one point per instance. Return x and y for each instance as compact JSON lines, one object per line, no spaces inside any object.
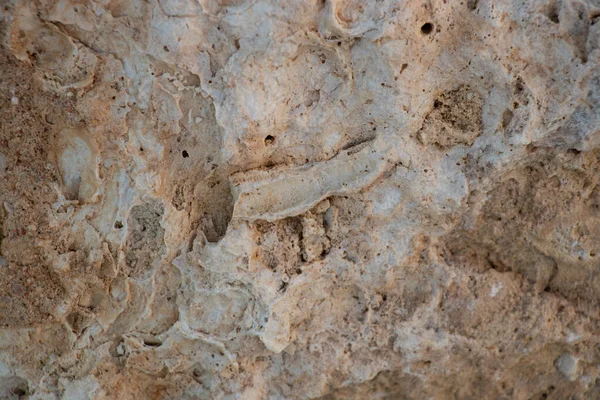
{"x":283,"y":199}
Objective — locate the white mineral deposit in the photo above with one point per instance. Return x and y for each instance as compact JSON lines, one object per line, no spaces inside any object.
{"x":299,"y":199}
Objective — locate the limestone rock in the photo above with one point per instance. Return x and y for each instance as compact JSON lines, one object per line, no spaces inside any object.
{"x":299,"y":199}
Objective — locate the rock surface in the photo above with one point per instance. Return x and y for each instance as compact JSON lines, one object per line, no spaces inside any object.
{"x":295,"y":199}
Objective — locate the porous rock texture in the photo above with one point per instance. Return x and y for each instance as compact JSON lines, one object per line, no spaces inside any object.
{"x":299,"y":199}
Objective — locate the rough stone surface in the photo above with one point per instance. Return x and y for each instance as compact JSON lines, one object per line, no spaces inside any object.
{"x":294,"y":199}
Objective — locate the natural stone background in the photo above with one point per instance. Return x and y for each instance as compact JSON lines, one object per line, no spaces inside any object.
{"x":294,"y":199}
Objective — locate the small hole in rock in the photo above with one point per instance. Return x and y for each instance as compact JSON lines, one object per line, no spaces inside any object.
{"x":269,"y":139}
{"x":165,"y":48}
{"x":153,"y":342}
{"x":427,"y":28}
{"x":472,"y":4}
{"x":118,"y":224}
{"x":507,"y":117}
{"x":185,"y":154}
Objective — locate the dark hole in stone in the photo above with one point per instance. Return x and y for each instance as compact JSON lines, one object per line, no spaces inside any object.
{"x":472,"y":4}
{"x":118,"y":224}
{"x":152,"y":342}
{"x":185,"y":154}
{"x":269,"y":139}
{"x":427,"y":28}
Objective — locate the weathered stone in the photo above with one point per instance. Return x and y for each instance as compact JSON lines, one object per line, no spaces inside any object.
{"x":295,"y":199}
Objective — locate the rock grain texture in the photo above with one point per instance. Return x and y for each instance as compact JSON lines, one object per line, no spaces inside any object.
{"x":299,"y":199}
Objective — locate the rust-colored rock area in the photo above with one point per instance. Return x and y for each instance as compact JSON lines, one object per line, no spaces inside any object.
{"x":299,"y":199}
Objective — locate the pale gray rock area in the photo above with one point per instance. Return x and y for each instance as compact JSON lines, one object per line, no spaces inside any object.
{"x":299,"y":199}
